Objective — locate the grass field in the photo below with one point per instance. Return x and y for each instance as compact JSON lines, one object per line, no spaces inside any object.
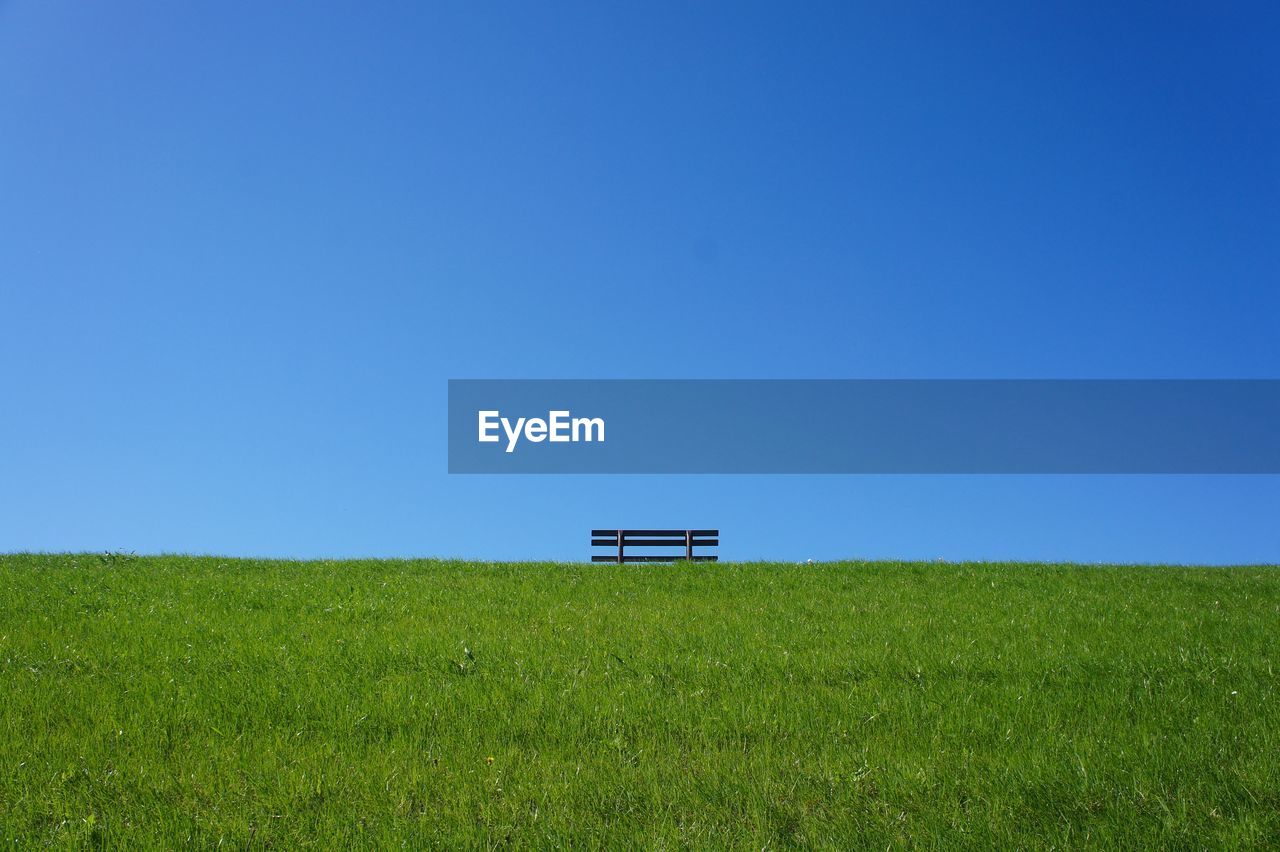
{"x":161,"y":701}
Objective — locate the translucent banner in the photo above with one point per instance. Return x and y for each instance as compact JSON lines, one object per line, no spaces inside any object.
{"x":864,"y":426}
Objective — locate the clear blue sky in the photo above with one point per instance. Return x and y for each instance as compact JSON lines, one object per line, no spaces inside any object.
{"x":245,"y":245}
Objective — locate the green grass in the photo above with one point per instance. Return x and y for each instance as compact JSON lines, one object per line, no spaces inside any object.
{"x":172,"y":700}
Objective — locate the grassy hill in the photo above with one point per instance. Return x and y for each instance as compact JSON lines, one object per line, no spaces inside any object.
{"x":156,"y":701}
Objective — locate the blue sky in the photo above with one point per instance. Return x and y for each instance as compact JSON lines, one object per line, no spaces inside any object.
{"x":246,"y":245}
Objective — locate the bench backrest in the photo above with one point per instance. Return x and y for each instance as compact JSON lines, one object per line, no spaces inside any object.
{"x":620,"y":540}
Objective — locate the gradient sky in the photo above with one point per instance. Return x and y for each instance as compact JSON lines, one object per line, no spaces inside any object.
{"x":245,"y":245}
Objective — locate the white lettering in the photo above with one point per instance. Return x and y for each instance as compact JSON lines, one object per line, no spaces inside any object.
{"x":486,"y":426}
{"x":559,"y":428}
{"x":587,"y":423}
{"x":513,"y":435}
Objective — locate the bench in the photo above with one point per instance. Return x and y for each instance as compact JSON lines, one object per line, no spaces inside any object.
{"x":620,"y":540}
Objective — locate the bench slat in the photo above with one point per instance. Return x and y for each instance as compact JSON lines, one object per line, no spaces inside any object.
{"x":630,"y":558}
{"x":654,"y":542}
{"x":689,"y":540}
{"x":673,"y":533}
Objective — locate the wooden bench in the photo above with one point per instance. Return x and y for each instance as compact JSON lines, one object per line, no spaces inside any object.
{"x":620,"y":540}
